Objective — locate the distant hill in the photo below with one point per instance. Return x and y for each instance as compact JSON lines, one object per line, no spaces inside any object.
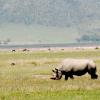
{"x":49,"y":12}
{"x":89,"y":38}
{"x":80,"y":16}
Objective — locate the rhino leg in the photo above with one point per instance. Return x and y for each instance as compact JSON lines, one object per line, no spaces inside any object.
{"x":68,"y":74}
{"x":93,"y":74}
{"x":66,"y":77}
{"x":71,"y":77}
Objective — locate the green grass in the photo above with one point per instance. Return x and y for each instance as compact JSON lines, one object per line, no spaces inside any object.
{"x":57,"y":95}
{"x":29,"y":78}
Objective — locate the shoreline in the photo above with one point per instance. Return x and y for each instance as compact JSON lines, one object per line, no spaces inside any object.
{"x":51,"y":48}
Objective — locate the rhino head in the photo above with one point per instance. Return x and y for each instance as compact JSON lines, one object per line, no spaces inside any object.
{"x":57,"y":75}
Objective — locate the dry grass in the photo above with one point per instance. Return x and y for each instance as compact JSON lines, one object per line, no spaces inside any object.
{"x":29,"y":78}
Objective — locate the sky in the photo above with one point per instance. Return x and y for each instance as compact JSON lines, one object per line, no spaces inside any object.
{"x":48,"y":21}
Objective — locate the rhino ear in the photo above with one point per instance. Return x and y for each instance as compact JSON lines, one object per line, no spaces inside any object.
{"x":54,"y":71}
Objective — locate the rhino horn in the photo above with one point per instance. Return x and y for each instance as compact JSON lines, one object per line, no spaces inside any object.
{"x":53,"y":78}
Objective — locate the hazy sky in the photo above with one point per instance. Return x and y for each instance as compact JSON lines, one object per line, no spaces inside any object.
{"x":48,"y":21}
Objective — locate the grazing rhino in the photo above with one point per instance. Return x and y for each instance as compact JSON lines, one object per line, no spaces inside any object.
{"x":79,"y":67}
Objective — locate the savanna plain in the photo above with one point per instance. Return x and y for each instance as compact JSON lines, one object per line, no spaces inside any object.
{"x":25,"y":75}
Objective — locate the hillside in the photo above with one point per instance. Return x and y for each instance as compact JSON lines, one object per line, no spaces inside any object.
{"x":46,"y":17}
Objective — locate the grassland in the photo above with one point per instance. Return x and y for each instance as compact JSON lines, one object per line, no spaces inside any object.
{"x":29,"y":79}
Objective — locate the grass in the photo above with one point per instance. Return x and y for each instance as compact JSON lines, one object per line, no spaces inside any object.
{"x":57,"y":95}
{"x":29,"y":79}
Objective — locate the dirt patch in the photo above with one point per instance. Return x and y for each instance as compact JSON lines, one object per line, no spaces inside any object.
{"x":42,"y":76}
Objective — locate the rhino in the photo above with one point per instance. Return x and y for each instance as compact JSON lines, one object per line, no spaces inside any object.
{"x":78,"y":67}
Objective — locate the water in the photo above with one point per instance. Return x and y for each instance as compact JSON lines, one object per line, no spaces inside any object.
{"x":8,"y":46}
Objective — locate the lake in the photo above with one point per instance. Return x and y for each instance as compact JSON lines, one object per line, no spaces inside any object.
{"x":13,"y":46}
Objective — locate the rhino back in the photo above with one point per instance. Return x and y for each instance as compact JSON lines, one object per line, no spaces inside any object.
{"x":76,"y":64}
